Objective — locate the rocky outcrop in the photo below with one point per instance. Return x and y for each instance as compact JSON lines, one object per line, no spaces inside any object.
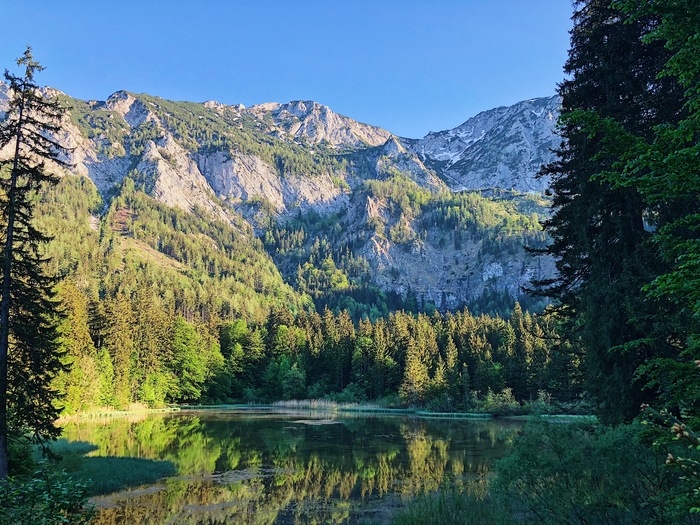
{"x":133,"y":111}
{"x":4,"y":97}
{"x":239,"y":178}
{"x":176,"y":178}
{"x":314,"y":123}
{"x":434,"y":270}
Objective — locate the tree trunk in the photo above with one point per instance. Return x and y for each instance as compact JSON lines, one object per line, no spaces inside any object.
{"x":5,"y":305}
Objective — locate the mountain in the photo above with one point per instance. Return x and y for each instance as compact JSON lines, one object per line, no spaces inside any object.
{"x":313,"y":123}
{"x":350,"y":214}
{"x":500,"y":148}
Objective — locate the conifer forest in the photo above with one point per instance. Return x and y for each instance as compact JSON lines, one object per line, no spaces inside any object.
{"x":569,"y":316}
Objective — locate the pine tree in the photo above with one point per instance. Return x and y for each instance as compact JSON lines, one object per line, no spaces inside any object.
{"x":29,"y":355}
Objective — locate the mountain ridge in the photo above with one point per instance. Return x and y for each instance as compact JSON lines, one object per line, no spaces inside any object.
{"x":384,"y":208}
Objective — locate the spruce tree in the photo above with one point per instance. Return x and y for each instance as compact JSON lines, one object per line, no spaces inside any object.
{"x":665,"y":169}
{"x":29,"y":355}
{"x":597,"y":228}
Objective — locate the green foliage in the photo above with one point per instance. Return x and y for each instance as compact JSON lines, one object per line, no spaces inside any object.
{"x":501,"y":403}
{"x":47,"y":497}
{"x":188,"y":361}
{"x":30,"y":356}
{"x":155,"y":316}
{"x":284,"y":379}
{"x":319,"y":254}
{"x":404,"y":195}
{"x":605,"y":253}
{"x":626,"y":230}
{"x":452,"y":508}
{"x":576,"y":473}
{"x":682,"y":445}
{"x":452,"y":362}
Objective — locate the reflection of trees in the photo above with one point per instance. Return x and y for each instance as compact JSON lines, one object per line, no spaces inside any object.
{"x":262,"y":470}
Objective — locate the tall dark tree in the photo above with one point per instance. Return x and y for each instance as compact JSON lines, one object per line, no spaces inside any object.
{"x":598,"y":229}
{"x":29,"y":355}
{"x":665,"y":169}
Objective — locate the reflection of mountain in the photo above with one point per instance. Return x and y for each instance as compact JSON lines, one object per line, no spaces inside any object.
{"x":249,"y":470}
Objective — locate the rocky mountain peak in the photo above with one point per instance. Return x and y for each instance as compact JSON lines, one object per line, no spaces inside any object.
{"x":311,"y":122}
{"x":393,"y":147}
{"x":275,"y":164}
{"x":133,"y":110}
{"x":500,"y":148}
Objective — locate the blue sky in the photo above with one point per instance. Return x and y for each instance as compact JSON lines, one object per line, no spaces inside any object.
{"x":408,"y":66}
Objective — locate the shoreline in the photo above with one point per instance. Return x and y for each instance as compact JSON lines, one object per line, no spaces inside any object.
{"x":323,"y":407}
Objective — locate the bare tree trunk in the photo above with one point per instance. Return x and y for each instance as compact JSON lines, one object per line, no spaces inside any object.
{"x":5,"y":305}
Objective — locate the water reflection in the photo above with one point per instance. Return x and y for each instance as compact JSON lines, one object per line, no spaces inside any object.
{"x":265,"y":468}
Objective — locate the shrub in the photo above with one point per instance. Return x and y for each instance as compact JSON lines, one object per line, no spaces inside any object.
{"x":47,"y":497}
{"x":353,"y":393}
{"x":503,"y":403}
{"x":584,"y":474}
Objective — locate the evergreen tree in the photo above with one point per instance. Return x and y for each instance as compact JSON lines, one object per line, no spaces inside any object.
{"x":598,"y":229}
{"x":416,"y":380}
{"x":188,"y":364}
{"x":665,"y":168}
{"x":29,"y":355}
{"x":80,"y":387}
{"x":119,"y":341}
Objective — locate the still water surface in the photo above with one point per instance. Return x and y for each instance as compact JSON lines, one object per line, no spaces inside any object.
{"x":272,"y":467}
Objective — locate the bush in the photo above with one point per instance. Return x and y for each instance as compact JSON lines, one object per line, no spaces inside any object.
{"x":501,"y":404}
{"x":389,"y":401}
{"x":583,"y":474}
{"x":21,"y":462}
{"x":47,"y":497}
{"x":353,"y":393}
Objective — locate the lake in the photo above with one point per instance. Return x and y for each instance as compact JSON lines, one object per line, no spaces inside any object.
{"x":272,"y":466}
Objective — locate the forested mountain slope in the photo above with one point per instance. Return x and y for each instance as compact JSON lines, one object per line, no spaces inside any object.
{"x":351,"y":214}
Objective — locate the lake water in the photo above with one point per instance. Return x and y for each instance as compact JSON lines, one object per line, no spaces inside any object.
{"x":246,"y":467}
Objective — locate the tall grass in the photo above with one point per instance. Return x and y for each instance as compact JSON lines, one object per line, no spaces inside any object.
{"x":135,"y":409}
{"x":325,"y":405}
{"x":452,"y":508}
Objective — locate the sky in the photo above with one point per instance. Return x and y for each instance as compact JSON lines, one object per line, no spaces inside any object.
{"x":408,"y":66}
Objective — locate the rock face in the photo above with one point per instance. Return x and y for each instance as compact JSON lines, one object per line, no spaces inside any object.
{"x":3,"y":99}
{"x":279,"y":161}
{"x":176,"y":176}
{"x":392,"y":157}
{"x":240,"y":178}
{"x":500,"y":148}
{"x":313,"y":123}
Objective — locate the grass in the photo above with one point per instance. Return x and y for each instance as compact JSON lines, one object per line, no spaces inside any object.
{"x":103,"y":475}
{"x":454,"y":415}
{"x":452,"y":508}
{"x":324,"y":405}
{"x":558,"y":418}
{"x":106,"y":412}
{"x":226,"y":406}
